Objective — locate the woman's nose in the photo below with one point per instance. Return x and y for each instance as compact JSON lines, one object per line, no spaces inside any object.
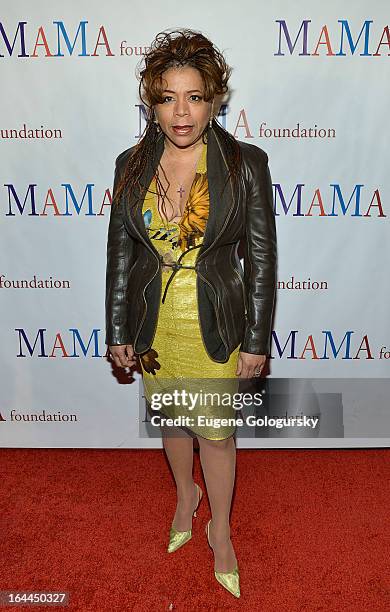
{"x":181,"y":107}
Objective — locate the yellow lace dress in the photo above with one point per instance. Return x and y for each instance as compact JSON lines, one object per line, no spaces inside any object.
{"x":178,"y":358}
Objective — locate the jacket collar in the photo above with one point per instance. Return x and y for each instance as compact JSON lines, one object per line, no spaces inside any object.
{"x":221,"y":199}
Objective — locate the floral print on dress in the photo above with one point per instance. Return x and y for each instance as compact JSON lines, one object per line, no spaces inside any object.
{"x":193,"y":222}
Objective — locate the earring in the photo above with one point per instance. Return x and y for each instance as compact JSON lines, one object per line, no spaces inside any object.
{"x":156,"y":123}
{"x":211,"y":116}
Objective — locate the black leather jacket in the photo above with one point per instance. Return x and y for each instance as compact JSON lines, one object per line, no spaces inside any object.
{"x":235,"y":306}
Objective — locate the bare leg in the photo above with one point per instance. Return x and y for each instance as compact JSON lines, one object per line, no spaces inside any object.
{"x":218,"y":460}
{"x":179,"y":451}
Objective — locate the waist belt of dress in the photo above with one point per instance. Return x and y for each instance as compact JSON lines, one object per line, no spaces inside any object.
{"x":176,"y":266}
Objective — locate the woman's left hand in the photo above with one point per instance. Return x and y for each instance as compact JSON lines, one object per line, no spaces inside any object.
{"x":248,"y":364}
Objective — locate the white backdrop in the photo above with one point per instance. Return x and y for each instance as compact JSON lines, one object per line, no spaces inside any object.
{"x":65,"y":118}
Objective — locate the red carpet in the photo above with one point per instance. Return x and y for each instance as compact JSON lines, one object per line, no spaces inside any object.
{"x":310,"y":530}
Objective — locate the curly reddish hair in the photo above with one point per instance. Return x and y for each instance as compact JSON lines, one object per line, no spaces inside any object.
{"x":182,"y":48}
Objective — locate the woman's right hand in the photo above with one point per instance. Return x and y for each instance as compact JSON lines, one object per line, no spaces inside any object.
{"x":123,"y":355}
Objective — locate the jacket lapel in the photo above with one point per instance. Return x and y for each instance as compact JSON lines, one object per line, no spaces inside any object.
{"x":221,"y":199}
{"x":221,"y":202}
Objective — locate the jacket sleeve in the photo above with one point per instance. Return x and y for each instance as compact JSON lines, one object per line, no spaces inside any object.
{"x":260,"y":259}
{"x":120,"y":256}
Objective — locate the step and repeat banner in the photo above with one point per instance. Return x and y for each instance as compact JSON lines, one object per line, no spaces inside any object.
{"x":310,"y":86}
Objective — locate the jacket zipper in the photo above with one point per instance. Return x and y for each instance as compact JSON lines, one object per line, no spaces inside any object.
{"x":146,"y":309}
{"x":151,"y":249}
{"x":242,"y":287}
{"x":216,"y":313}
{"x":236,"y":260}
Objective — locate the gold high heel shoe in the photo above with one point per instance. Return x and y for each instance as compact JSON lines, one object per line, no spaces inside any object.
{"x":229,"y":580}
{"x":179,"y":538}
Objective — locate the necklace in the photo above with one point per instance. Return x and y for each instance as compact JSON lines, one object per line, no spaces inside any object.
{"x":181,"y":189}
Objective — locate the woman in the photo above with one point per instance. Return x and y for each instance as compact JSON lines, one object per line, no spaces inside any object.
{"x":176,"y":296}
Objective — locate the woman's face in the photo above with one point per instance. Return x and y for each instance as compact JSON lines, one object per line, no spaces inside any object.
{"x":183,"y":106}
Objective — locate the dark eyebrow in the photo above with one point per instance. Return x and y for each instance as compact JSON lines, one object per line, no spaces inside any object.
{"x":189,"y":91}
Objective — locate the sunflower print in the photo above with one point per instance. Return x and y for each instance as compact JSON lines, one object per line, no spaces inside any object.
{"x":193,"y":222}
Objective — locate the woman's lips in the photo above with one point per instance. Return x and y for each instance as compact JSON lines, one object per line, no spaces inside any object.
{"x":182,"y":130}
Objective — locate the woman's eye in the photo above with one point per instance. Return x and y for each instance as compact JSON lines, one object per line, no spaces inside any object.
{"x":192,"y":96}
